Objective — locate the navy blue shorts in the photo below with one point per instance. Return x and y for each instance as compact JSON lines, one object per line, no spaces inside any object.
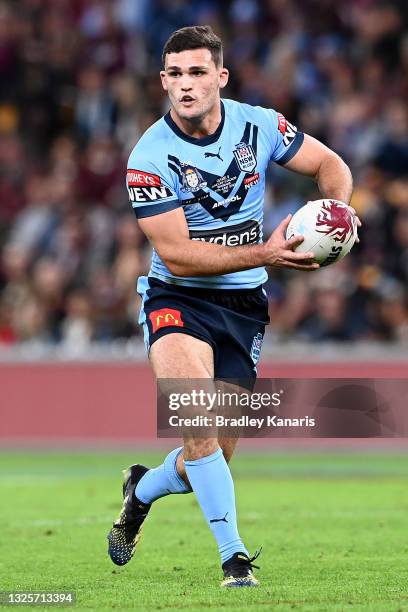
{"x":232,"y":321}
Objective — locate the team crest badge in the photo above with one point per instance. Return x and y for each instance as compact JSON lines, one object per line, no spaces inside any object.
{"x":192,"y":179}
{"x":245,"y":157}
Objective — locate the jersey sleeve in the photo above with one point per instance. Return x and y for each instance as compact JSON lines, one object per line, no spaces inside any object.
{"x":149,"y":187}
{"x":285,"y":138}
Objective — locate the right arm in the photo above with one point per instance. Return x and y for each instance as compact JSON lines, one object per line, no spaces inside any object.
{"x":168,"y":233}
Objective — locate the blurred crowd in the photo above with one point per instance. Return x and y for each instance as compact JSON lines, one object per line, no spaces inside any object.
{"x":80,"y":85}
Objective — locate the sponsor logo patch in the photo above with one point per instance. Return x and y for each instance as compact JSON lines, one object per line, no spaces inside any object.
{"x":281,"y":123}
{"x":165,"y":317}
{"x":245,"y":157}
{"x":148,"y":194}
{"x":236,"y":235}
{"x":137,"y":178}
{"x":252,"y":180}
{"x":288,"y":130}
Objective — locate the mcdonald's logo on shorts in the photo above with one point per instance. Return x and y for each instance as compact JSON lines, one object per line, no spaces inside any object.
{"x":165,"y":317}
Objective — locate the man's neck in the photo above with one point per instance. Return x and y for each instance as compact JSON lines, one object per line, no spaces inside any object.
{"x":201,"y":127}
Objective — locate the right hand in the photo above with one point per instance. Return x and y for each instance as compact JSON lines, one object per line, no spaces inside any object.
{"x":280,"y":252}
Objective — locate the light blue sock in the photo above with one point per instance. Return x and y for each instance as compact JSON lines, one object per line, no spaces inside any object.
{"x":212,"y":484}
{"x":161,"y":481}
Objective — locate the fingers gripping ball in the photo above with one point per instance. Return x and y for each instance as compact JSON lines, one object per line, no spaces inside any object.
{"x":329,"y":228}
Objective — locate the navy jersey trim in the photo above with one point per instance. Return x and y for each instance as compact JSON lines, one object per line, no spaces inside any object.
{"x":294,"y":148}
{"x":155,"y":209}
{"x":201,"y":142}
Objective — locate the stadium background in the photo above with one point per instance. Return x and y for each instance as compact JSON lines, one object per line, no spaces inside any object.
{"x":79,"y":86}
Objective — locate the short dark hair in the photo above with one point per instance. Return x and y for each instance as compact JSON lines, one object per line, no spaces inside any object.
{"x":194,"y":37}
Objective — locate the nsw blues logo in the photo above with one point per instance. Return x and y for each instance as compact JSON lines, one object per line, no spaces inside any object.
{"x":245,"y":157}
{"x":256,"y":347}
{"x":192,"y":179}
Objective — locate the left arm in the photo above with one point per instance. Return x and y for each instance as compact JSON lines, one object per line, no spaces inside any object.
{"x":330,"y":172}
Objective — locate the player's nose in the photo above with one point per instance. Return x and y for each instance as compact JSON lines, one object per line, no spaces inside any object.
{"x":186,"y":82}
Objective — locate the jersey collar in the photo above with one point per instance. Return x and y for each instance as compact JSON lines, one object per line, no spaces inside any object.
{"x":201,"y":142}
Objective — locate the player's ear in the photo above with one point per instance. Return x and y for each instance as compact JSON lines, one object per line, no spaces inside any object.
{"x":223,"y":77}
{"x":163,"y":79}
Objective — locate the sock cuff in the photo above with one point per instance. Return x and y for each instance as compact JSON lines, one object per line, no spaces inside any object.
{"x":170,"y":467}
{"x":203,"y":460}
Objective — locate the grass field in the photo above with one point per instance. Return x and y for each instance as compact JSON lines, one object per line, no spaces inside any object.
{"x":334,"y":530}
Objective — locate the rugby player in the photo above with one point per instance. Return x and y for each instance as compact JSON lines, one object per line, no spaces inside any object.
{"x":196,"y":182}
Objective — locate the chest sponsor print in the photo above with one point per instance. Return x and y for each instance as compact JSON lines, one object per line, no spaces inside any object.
{"x":247,"y":232}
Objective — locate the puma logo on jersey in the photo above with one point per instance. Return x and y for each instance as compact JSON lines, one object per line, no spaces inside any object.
{"x":209,"y":154}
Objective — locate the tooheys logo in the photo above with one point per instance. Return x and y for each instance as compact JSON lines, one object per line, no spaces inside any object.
{"x":145,"y":187}
{"x":235,"y":235}
{"x":137,"y":178}
{"x":251,"y":180}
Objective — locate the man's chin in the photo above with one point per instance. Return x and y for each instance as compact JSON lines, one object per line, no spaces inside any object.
{"x":190,"y":114}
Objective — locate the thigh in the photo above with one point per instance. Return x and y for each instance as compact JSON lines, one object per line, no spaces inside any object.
{"x":178,"y":355}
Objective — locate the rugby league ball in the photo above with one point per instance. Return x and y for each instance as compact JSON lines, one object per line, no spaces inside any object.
{"x":329,"y":228}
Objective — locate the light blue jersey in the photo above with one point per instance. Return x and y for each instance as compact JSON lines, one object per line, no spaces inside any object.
{"x":219,"y":181}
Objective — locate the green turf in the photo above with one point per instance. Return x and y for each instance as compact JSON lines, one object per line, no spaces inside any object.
{"x":334,"y":530}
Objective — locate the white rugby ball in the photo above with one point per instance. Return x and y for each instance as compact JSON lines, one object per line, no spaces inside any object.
{"x":329,"y":228}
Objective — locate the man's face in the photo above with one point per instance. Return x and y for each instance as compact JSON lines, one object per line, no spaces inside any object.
{"x":193,"y":81}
